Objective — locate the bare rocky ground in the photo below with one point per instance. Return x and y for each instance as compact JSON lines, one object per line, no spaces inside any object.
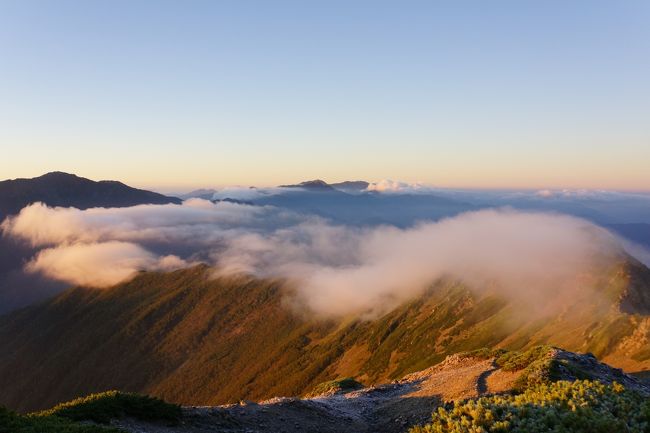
{"x":387,"y":408}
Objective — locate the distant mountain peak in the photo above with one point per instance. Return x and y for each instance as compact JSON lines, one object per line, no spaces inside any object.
{"x":58,"y":188}
{"x":313,"y":185}
{"x":58,"y":173}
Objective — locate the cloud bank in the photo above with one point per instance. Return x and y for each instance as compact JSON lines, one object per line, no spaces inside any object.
{"x":335,"y":269}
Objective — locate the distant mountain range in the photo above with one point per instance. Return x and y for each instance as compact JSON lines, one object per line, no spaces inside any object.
{"x":351,"y":202}
{"x":68,"y":190}
{"x":346,"y":203}
{"x":194,"y":339}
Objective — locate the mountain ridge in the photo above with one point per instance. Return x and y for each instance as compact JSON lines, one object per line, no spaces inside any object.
{"x":192,"y":338}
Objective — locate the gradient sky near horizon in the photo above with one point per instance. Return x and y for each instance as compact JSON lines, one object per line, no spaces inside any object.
{"x":184,"y":94}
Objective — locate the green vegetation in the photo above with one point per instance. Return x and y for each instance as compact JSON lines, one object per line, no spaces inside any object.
{"x":103,"y":407}
{"x":334,"y":386}
{"x":536,"y":364}
{"x":483,"y":353}
{"x":515,"y":361}
{"x":604,"y":337}
{"x":511,"y":360}
{"x":541,"y":402}
{"x":13,"y":423}
{"x":562,"y":407}
{"x":71,"y":417}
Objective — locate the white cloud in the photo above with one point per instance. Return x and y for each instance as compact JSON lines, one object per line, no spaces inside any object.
{"x":335,"y":269}
{"x":99,"y":264}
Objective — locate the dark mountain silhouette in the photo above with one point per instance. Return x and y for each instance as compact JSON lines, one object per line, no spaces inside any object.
{"x":68,"y":190}
{"x":195,"y":339}
{"x":54,"y":189}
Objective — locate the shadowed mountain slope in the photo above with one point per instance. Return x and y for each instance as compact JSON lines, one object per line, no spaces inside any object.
{"x":193,"y":339}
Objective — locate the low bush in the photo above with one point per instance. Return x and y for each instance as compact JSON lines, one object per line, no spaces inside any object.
{"x":103,"y":407}
{"x":536,"y":364}
{"x":11,"y":422}
{"x":515,"y":361}
{"x":560,"y":407}
{"x":334,"y":386}
{"x":483,"y":353}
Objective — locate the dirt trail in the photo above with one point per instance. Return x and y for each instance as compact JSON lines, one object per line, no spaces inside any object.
{"x":388,"y":408}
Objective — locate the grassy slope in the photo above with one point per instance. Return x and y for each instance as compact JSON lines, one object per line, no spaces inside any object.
{"x":190,"y":339}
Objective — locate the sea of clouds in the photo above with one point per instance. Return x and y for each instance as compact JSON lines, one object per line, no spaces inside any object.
{"x":335,"y":269}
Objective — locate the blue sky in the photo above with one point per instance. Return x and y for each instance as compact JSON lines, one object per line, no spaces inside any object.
{"x":181,"y":94}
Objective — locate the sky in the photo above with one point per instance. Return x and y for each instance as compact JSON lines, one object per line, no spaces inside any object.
{"x":175,"y":95}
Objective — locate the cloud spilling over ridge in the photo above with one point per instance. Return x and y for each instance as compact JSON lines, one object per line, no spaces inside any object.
{"x":336,"y":269}
{"x":526,"y":255}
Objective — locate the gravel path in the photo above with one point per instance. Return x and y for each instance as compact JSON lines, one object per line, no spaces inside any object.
{"x":388,"y":408}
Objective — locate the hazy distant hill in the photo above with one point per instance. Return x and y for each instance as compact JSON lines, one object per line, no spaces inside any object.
{"x":311,"y":185}
{"x":362,"y":207}
{"x":349,"y":186}
{"x":196,"y":340}
{"x":352,"y":186}
{"x":203,"y":193}
{"x":63,"y":189}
